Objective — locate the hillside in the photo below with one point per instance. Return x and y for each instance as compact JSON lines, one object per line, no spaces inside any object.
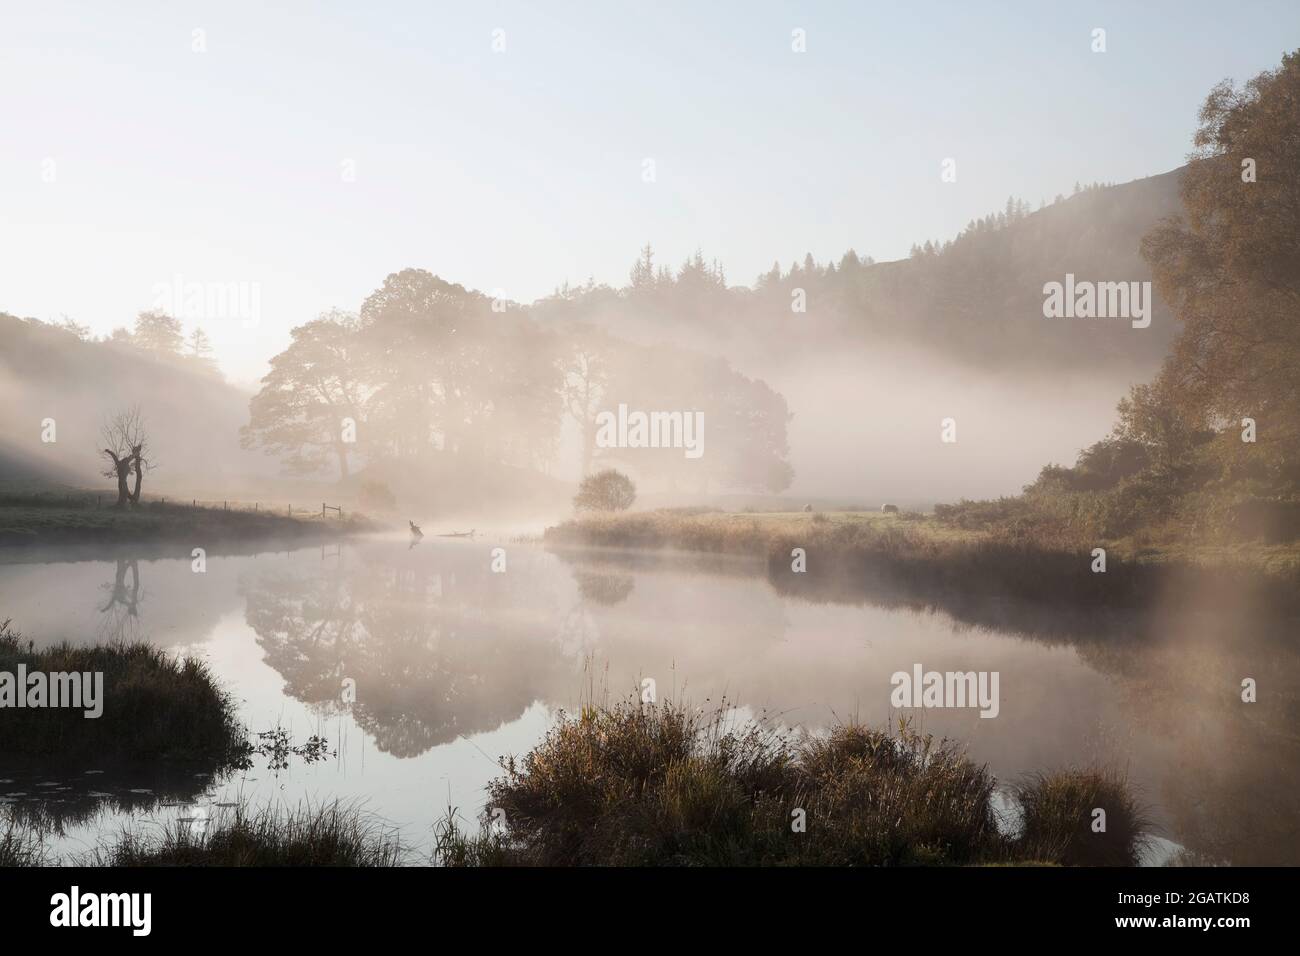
{"x":48,"y":373}
{"x":977,"y":298}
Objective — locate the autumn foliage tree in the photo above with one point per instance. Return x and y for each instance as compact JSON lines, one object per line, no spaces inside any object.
{"x":1230,"y":268}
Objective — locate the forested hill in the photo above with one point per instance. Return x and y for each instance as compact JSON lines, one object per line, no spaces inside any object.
{"x":977,"y":297}
{"x":48,"y":372}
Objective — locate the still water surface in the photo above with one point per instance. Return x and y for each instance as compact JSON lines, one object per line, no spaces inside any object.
{"x":455,"y":665}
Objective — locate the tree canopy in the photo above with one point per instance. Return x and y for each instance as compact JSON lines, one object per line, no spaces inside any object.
{"x":1230,"y":268}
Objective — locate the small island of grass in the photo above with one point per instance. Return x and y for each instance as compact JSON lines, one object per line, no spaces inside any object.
{"x":151,"y":706}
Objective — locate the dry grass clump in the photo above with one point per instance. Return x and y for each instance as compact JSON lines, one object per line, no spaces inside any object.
{"x":1059,"y":813}
{"x":659,"y":784}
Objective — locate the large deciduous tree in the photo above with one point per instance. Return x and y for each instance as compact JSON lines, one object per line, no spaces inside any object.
{"x":453,"y":370}
{"x":421,"y":348}
{"x":1231,"y":271}
{"x":436,"y":368}
{"x":303,"y":409}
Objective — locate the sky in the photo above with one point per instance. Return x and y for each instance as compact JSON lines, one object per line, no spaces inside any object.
{"x":286,"y":159}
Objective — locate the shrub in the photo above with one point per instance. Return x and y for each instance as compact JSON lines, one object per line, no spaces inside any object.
{"x":607,"y":490}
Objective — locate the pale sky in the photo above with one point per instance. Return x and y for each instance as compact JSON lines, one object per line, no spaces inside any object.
{"x":129,"y":161}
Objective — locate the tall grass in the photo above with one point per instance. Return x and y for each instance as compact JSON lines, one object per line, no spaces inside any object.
{"x":21,"y":846}
{"x":333,"y":834}
{"x":1060,"y":819}
{"x":154,"y":706}
{"x":659,"y":784}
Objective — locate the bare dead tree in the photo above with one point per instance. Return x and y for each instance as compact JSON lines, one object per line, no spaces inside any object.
{"x":127,"y":447}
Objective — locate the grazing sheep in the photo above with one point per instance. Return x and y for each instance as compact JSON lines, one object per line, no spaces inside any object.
{"x":889,"y":509}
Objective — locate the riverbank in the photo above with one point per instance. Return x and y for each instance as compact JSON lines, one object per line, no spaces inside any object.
{"x":29,"y":521}
{"x":919,"y":558}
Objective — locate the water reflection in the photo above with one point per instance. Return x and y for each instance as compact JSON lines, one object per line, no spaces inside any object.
{"x":421,"y":649}
{"x":120,"y":620}
{"x":433,"y":649}
{"x":52,"y":800}
{"x":604,"y":587}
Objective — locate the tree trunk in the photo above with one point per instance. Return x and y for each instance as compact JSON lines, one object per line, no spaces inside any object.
{"x":139,"y":473}
{"x":343,"y":461}
{"x":122,"y":468}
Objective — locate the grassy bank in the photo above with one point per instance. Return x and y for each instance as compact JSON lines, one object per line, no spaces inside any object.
{"x":923,"y":558}
{"x":58,"y":520}
{"x":330,"y":835}
{"x":153,"y":706}
{"x":641,"y":784}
